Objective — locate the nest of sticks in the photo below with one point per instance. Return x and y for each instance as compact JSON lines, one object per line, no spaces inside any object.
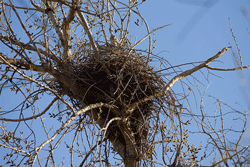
{"x":118,"y":77}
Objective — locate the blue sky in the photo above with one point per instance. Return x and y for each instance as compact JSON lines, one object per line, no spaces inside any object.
{"x":197,"y":33}
{"x":203,"y":39}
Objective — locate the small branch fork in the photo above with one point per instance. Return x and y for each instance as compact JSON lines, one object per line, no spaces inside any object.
{"x":65,"y":125}
{"x":4,"y":61}
{"x":65,"y":36}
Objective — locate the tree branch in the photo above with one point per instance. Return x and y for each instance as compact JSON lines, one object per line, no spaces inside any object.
{"x":56,"y":25}
{"x":66,"y":26}
{"x":15,"y":149}
{"x":35,"y":81}
{"x":64,"y":126}
{"x":87,"y":29}
{"x":27,"y":32}
{"x":19,"y":62}
{"x":227,"y":69}
{"x":29,"y":47}
{"x":177,"y":78}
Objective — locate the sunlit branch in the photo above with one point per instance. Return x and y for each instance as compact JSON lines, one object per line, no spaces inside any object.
{"x":227,"y":69}
{"x":177,"y":78}
{"x":37,"y":6}
{"x":87,"y":29}
{"x":15,"y":149}
{"x":66,"y":26}
{"x":57,"y":26}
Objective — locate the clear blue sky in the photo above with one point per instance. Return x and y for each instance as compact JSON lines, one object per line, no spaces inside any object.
{"x":206,"y":31}
{"x":197,"y":33}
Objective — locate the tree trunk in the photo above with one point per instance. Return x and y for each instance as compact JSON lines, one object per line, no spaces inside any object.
{"x":131,"y":157}
{"x":131,"y":162}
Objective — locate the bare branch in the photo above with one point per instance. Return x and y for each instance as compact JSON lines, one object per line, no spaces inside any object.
{"x":29,"y":47}
{"x":177,"y":78}
{"x":148,"y":35}
{"x":35,"y":81}
{"x":28,"y":66}
{"x":87,"y":29}
{"x":227,"y":69}
{"x":64,"y":126}
{"x":27,"y":32}
{"x":111,"y":102}
{"x":56,"y":25}
{"x":15,"y":149}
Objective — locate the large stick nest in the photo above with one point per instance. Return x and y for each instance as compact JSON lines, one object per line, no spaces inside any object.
{"x":118,"y":77}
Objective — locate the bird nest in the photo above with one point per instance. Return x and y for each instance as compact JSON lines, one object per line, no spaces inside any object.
{"x":118,"y":77}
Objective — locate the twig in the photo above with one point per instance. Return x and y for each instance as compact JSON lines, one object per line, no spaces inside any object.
{"x":35,"y":116}
{"x":147,"y":36}
{"x":27,"y":32}
{"x":227,"y":69}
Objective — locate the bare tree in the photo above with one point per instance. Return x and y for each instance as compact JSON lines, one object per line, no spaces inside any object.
{"x":117,"y":107}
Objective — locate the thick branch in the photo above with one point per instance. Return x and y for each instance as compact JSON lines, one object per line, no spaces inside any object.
{"x":177,"y":78}
{"x":189,"y":72}
{"x":35,"y":81}
{"x":66,"y":26}
{"x":87,"y":29}
{"x":56,"y":25}
{"x":119,"y":147}
{"x":22,"y":63}
{"x":131,"y":151}
{"x":29,"y":47}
